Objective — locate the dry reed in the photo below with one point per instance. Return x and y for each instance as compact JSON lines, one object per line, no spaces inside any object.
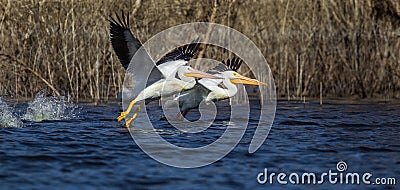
{"x":314,"y":48}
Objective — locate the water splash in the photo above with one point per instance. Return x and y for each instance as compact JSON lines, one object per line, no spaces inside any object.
{"x":7,"y":116}
{"x":50,"y":108}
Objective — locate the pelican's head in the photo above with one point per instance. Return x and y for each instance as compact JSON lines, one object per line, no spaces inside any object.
{"x":187,"y":72}
{"x":237,"y":78}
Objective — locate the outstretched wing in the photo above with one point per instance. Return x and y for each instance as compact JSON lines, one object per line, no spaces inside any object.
{"x":228,"y":65}
{"x":124,"y":43}
{"x":185,"y":53}
{"x":142,"y":70}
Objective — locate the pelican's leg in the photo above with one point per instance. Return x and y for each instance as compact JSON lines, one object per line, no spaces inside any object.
{"x":129,"y":121}
{"x":125,"y":113}
{"x":178,"y":116}
{"x":181,"y":116}
{"x":185,"y":113}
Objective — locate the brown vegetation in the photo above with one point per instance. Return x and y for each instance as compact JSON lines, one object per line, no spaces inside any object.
{"x":344,"y":48}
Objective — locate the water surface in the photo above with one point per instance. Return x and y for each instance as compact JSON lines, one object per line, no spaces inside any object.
{"x":92,"y":150}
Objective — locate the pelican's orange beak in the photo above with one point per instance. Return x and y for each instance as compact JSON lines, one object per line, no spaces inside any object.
{"x":200,"y":74}
{"x":244,"y":80}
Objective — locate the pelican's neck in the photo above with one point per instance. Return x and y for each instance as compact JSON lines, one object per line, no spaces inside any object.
{"x":189,"y":82}
{"x":231,"y":88}
{"x":185,"y":78}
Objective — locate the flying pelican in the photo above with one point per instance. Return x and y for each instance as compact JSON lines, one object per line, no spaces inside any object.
{"x":209,"y":89}
{"x":162,"y":80}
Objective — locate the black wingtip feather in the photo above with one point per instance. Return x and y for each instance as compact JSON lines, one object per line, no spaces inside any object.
{"x":185,"y":52}
{"x":122,"y":40}
{"x":233,"y":64}
{"x":118,"y":22}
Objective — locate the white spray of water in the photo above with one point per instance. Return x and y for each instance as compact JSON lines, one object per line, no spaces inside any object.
{"x":49,"y":108}
{"x":7,"y":116}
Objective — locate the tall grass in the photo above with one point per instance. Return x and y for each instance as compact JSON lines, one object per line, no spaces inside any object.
{"x":333,"y":48}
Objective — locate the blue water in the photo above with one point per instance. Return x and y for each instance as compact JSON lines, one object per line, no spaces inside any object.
{"x":94,"y":151}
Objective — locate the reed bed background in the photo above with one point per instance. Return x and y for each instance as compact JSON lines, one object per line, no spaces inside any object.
{"x":330,"y":48}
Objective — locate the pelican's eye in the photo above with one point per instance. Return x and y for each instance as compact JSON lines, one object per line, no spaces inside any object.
{"x":236,"y":74}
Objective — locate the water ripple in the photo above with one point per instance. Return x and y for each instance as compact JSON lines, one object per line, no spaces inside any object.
{"x":93,"y":151}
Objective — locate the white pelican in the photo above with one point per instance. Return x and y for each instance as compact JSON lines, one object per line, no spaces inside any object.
{"x":209,"y":89}
{"x":161,"y":81}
